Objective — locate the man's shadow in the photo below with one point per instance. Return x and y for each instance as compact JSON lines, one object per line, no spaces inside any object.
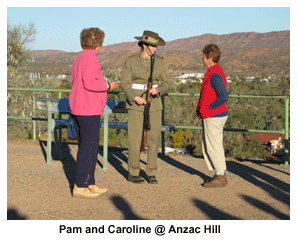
{"x":118,"y":159}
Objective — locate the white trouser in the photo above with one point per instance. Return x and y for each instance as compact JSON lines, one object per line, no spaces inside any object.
{"x":212,"y":143}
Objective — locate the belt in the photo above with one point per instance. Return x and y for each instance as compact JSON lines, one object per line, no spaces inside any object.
{"x":141,"y":86}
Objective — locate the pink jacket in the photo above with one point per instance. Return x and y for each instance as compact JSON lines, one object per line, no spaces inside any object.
{"x":88,"y":94}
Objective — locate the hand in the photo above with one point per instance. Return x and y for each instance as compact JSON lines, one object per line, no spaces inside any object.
{"x":154,"y":91}
{"x":113,"y":85}
{"x":140,"y":101}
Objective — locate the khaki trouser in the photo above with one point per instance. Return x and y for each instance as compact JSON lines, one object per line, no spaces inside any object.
{"x":135,"y":133}
{"x":212,"y":143}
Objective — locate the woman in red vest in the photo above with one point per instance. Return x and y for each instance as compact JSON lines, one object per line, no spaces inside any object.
{"x":213,"y":111}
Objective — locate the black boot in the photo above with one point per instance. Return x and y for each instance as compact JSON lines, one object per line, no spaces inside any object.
{"x":152,"y":180}
{"x":135,"y":179}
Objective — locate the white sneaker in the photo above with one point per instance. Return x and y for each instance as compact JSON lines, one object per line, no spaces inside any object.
{"x":97,"y":189}
{"x":84,"y":192}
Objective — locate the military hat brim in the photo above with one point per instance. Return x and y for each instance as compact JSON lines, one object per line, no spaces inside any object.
{"x":152,"y":41}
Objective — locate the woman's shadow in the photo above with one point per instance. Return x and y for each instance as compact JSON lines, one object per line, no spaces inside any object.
{"x":67,"y":160}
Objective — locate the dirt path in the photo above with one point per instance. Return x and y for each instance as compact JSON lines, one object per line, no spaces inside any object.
{"x":35,"y":191}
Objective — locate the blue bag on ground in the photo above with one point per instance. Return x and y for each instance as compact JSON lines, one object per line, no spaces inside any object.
{"x":71,"y":128}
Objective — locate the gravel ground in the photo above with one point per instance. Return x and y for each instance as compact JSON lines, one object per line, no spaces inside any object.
{"x":36,"y":191}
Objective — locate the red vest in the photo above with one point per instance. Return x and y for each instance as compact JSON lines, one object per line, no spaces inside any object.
{"x":208,"y":94}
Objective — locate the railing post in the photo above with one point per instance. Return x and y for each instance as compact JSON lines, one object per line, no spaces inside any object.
{"x":287,"y":151}
{"x":163,"y":144}
{"x":49,"y":139}
{"x":105,"y":141}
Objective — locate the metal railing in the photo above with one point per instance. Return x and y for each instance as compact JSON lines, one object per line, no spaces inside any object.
{"x":285,"y":131}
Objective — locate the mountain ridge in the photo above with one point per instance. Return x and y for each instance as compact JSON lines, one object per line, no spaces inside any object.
{"x":250,"y":53}
{"x":229,"y":41}
{"x":276,"y":39}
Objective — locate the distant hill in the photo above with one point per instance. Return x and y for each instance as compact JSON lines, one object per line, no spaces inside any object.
{"x":249,"y":54}
{"x":279,"y":39}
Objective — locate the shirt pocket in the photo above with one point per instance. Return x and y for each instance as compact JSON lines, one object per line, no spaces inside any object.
{"x":157,"y":71}
{"x":139,"y":73}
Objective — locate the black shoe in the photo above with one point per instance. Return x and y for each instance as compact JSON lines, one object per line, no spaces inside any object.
{"x":152,"y":180}
{"x":135,"y":179}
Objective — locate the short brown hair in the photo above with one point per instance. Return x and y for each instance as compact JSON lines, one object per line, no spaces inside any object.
{"x":212,"y":51}
{"x":91,"y":38}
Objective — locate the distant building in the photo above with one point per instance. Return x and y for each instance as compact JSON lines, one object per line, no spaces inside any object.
{"x":250,"y":78}
{"x":229,"y":79}
{"x":190,"y":75}
{"x":62,"y":76}
{"x":184,"y":81}
{"x":266,"y":80}
{"x":273,"y":142}
{"x":185,"y":77}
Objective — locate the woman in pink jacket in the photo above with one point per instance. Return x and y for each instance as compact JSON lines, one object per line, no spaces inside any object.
{"x":87,"y":101}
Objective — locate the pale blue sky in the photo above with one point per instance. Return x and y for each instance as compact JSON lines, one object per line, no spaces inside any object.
{"x":59,"y":28}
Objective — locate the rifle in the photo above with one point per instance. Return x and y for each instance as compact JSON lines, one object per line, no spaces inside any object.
{"x":146,"y":125}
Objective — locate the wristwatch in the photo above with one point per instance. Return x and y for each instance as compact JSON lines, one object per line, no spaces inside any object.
{"x":108,"y":85}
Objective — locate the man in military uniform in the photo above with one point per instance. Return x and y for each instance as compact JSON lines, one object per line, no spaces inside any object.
{"x":134,"y":79}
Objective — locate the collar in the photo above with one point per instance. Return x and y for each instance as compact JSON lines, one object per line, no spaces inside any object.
{"x":144,"y":58}
{"x":213,"y":67}
{"x":90,"y":51}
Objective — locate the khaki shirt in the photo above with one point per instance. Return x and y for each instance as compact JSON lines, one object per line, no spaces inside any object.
{"x":137,"y":70}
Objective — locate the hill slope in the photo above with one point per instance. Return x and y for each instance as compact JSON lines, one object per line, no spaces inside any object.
{"x":279,"y":39}
{"x":250,"y":54}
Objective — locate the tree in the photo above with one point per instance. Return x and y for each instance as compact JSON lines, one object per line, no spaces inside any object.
{"x":17,"y":39}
